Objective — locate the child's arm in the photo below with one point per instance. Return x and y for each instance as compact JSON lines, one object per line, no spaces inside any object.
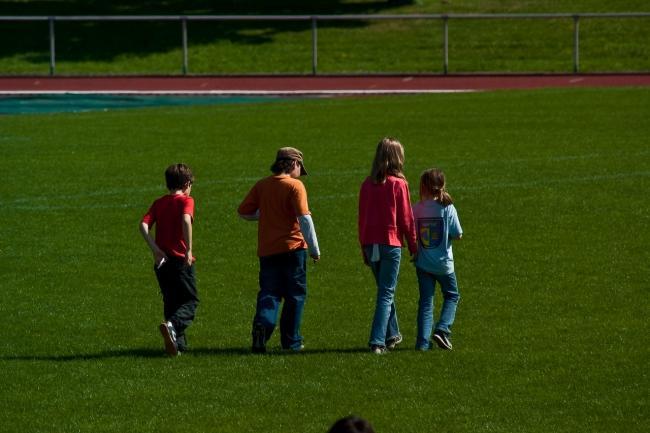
{"x":405,"y":219}
{"x":158,"y":254}
{"x":187,"y":236}
{"x":455,"y":230}
{"x":249,"y":207}
{"x":309,"y":233}
{"x":251,"y":217}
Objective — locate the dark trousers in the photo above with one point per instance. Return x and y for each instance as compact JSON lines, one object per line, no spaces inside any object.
{"x":178,"y":288}
{"x":283,"y":277}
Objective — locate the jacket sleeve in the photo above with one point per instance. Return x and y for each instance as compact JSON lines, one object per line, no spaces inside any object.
{"x":405,"y":221}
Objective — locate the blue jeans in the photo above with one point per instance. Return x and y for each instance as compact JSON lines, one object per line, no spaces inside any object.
{"x":449,"y":288}
{"x":282,"y":277}
{"x":386,"y":270}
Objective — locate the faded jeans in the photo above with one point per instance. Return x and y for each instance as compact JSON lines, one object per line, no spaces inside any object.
{"x":386,"y":271}
{"x":449,"y":288}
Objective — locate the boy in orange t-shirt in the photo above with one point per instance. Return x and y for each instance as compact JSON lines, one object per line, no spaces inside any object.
{"x":285,"y":235}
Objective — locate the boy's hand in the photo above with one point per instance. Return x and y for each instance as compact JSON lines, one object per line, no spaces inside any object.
{"x":159,"y":257}
{"x":315,"y":257}
{"x":189,"y":258}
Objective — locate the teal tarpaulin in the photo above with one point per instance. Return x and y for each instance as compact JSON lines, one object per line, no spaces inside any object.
{"x":74,"y":103}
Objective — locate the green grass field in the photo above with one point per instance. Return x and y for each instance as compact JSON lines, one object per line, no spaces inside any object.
{"x":524,"y":46}
{"x":552,"y":329}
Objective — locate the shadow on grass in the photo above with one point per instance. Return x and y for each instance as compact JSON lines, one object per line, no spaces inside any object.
{"x":104,"y":41}
{"x":148,"y":353}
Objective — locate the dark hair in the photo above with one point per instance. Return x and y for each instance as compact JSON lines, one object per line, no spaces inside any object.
{"x":432,"y":184}
{"x":178,"y":176}
{"x":282,"y":166}
{"x":352,"y":424}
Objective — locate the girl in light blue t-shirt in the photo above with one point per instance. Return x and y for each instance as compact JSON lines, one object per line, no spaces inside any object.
{"x":437,"y":225}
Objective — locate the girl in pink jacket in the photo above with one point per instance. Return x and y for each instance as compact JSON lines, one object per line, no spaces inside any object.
{"x":385,"y":225}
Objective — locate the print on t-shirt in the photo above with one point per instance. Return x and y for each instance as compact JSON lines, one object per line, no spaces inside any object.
{"x":430,"y":232}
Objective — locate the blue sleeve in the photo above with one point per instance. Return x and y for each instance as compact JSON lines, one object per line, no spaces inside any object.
{"x":455,"y":229}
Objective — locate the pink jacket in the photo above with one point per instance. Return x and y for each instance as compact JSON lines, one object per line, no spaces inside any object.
{"x":385,"y":214}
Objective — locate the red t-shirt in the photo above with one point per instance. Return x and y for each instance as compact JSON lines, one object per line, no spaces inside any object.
{"x":167,"y":212}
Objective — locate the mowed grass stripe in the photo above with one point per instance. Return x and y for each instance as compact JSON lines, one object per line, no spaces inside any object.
{"x":551,"y":332}
{"x":32,"y":204}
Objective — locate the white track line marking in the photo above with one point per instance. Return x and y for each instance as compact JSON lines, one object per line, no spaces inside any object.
{"x":232,"y":92}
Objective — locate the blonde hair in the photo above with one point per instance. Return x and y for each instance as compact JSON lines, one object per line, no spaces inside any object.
{"x":389,"y":160}
{"x":432,"y":185}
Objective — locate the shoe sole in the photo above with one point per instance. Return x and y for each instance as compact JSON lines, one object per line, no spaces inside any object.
{"x":440,"y":341}
{"x":170,"y":347}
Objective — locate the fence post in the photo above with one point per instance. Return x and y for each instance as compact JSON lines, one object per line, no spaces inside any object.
{"x":576,"y":44}
{"x":52,"y":47}
{"x":314,"y":46}
{"x":184,"y":31}
{"x":445,"y":44}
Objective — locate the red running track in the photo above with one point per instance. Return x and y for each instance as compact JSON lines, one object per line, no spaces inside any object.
{"x":259,"y":85}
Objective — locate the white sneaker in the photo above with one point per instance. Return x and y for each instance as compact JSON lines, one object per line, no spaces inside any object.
{"x":169,"y":336}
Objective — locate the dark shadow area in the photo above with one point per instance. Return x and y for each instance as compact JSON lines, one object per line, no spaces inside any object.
{"x":195,"y":7}
{"x":103,"y":41}
{"x":275,"y":352}
{"x":148,"y":353}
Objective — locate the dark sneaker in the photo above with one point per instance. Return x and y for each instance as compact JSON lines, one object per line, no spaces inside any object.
{"x":181,"y":343}
{"x":378,"y":350}
{"x":169,"y":336}
{"x":392,"y":342}
{"x":442,"y":340}
{"x":259,"y":338}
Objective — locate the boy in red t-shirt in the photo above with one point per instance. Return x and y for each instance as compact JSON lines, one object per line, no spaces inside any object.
{"x":173,"y":259}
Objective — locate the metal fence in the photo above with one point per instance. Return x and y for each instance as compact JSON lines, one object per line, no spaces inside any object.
{"x":315,"y":19}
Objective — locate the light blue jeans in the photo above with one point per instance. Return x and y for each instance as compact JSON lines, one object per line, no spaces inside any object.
{"x":449,"y":288}
{"x":386,"y":270}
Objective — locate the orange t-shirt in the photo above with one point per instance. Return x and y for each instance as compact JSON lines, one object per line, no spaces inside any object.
{"x":280,"y":200}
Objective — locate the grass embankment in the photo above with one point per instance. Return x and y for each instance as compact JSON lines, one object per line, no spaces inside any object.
{"x":402,"y":46}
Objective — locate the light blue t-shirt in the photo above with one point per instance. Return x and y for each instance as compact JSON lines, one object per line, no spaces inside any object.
{"x":436,"y":225}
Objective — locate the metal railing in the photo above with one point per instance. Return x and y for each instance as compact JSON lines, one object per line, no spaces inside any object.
{"x":314,"y":19}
